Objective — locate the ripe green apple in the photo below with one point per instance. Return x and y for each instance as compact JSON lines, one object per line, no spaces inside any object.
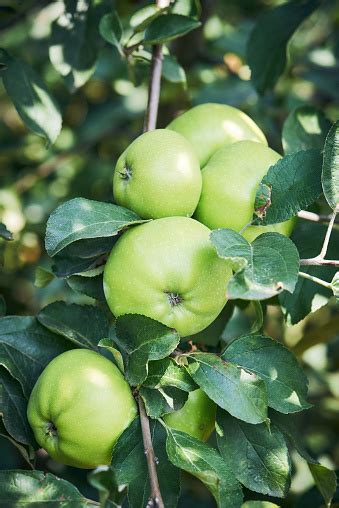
{"x":158,"y":175}
{"x":78,"y":408}
{"x":210,"y":126}
{"x":168,"y":270}
{"x":196,"y":417}
{"x":230,"y":180}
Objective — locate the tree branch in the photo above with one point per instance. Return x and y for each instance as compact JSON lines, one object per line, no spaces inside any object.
{"x":150,"y":123}
{"x":314,"y":217}
{"x":320,"y":259}
{"x":155,"y":499}
{"x":315,"y":279}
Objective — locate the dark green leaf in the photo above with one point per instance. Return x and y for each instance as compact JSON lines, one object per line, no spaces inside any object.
{"x":242,"y":394}
{"x":304,"y":128}
{"x":24,"y":450}
{"x":172,"y":70}
{"x":3,"y":306}
{"x":81,"y":219}
{"x":325,"y":480}
{"x":295,"y":183}
{"x":267,"y":45}
{"x":89,"y":286}
{"x":110,"y":29}
{"x":143,"y":339}
{"x":111,"y":494}
{"x":129,"y":462}
{"x":4,"y":233}
{"x":285,"y":381}
{"x":26,"y":348}
{"x":34,"y":104}
{"x":330,"y":172}
{"x":257,"y":454}
{"x":13,"y":409}
{"x":205,"y":463}
{"x":36,"y":488}
{"x":164,"y":400}
{"x":168,"y":373}
{"x":85,"y":325}
{"x":43,"y":277}
{"x":263,"y":268}
{"x":168,"y":27}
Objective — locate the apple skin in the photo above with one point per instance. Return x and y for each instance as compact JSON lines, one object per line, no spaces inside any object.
{"x":89,"y":403}
{"x":196,"y":417}
{"x":230,"y":181}
{"x":210,"y":126}
{"x":167,"y":270}
{"x":158,"y":175}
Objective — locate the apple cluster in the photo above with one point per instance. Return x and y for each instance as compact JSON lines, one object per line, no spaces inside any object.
{"x":206,"y":164}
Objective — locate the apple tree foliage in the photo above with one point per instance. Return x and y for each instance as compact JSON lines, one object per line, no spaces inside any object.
{"x":258,"y":383}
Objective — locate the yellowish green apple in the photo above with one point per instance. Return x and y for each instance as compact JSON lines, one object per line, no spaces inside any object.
{"x":230,"y":181}
{"x":158,"y":175}
{"x":210,"y":126}
{"x":167,"y":269}
{"x":196,"y":417}
{"x":78,"y":408}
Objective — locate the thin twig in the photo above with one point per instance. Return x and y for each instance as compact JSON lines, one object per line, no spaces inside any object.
{"x":320,"y":259}
{"x":156,"y":498}
{"x":314,"y":217}
{"x":150,"y":123}
{"x":315,"y":279}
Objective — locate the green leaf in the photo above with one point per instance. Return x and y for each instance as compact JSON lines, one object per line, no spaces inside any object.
{"x":34,"y":104}
{"x":168,"y":27}
{"x":285,"y":381}
{"x":110,"y":29}
{"x":4,"y":233}
{"x":168,"y":373}
{"x":330,"y":172}
{"x":172,"y":70}
{"x":43,"y":277}
{"x":26,"y":348}
{"x":242,"y":394}
{"x":13,"y":409}
{"x":263,"y":269}
{"x":304,"y":128}
{"x":205,"y":463}
{"x":259,"y":504}
{"x":85,"y":325}
{"x":36,"y":488}
{"x":75,"y":41}
{"x":190,"y":8}
{"x":129,"y":462}
{"x":89,"y":286}
{"x":267,"y":44}
{"x":325,"y":480}
{"x":3,"y":306}
{"x":143,"y":339}
{"x":80,"y":219}
{"x":258,"y":455}
{"x":335,"y":286}
{"x":161,"y":401}
{"x":117,"y":356}
{"x":24,"y":450}
{"x":111,"y":494}
{"x":295,"y":183}
{"x":144,"y":16}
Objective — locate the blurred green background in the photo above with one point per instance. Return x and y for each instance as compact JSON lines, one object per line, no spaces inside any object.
{"x":102,"y":117}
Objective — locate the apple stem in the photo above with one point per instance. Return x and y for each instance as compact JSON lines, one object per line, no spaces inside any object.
{"x":155,"y":498}
{"x":150,"y":123}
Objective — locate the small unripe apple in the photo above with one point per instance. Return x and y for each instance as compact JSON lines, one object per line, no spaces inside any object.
{"x":78,"y":408}
{"x":210,"y":126}
{"x":196,"y":417}
{"x":158,"y":175}
{"x":167,"y":270}
{"x":230,"y":181}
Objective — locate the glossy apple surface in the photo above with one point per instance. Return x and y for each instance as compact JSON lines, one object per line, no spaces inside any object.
{"x":230,"y":181}
{"x":210,"y":126}
{"x":158,"y":175}
{"x":168,"y":270}
{"x":78,"y":408}
{"x":196,"y":417}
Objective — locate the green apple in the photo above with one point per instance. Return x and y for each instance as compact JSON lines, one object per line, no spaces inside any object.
{"x":210,"y":126}
{"x":78,"y":408}
{"x":168,"y":270}
{"x":158,"y":175}
{"x":230,"y":180}
{"x":196,"y":417}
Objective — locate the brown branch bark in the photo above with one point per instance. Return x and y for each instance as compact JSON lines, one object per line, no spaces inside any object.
{"x":150,"y":123}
